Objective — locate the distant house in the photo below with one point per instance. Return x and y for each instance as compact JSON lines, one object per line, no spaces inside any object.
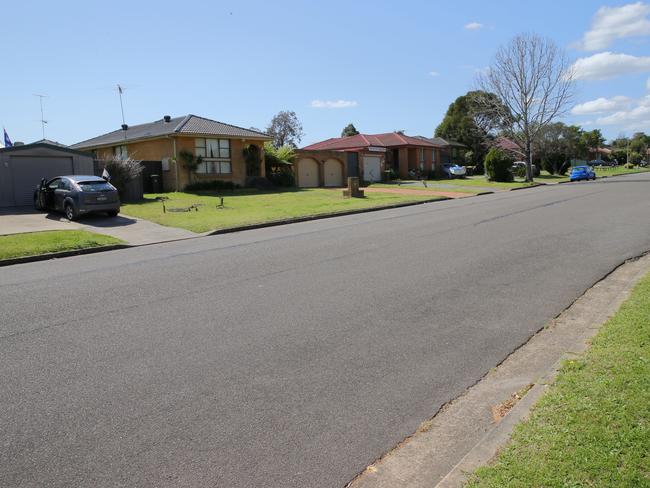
{"x":450,"y":151}
{"x":511,"y":147}
{"x":369,"y":156}
{"x":599,"y":153}
{"x":159,"y":145}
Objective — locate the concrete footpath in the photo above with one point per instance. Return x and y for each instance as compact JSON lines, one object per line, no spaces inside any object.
{"x":131,"y":230}
{"x":465,"y":433}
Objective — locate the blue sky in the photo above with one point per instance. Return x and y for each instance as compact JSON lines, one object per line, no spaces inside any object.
{"x":381,"y":65}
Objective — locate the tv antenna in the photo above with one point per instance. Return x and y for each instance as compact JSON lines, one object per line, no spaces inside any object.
{"x":120,"y":90}
{"x":43,"y":121}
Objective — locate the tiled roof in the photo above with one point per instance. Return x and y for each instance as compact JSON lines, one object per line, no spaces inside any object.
{"x":189,"y":124}
{"x":360,"y":141}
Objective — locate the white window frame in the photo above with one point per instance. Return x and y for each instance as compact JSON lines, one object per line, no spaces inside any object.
{"x":221,"y":164}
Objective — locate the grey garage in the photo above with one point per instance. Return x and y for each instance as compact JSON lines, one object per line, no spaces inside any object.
{"x":23,"y":166}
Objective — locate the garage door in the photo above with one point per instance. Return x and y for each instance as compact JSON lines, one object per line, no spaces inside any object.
{"x":371,"y":168}
{"x":307,"y":173}
{"x":333,"y":170}
{"x":27,"y":171}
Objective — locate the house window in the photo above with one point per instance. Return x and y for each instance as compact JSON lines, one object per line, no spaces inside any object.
{"x":433,"y":155}
{"x":120,"y":152}
{"x":215,"y":154}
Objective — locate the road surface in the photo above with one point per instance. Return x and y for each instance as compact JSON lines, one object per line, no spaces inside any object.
{"x":290,"y":356}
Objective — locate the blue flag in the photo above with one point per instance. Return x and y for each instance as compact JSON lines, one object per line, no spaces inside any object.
{"x":7,"y":140}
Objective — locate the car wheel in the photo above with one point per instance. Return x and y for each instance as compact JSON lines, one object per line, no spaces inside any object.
{"x":70,"y":212}
{"x":113,"y":213}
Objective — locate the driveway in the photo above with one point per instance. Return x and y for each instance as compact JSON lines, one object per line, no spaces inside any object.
{"x":129,"y":229}
{"x":290,"y":356}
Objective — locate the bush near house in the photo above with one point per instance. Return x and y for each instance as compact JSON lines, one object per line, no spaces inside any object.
{"x":498,"y":165}
{"x":122,"y":172}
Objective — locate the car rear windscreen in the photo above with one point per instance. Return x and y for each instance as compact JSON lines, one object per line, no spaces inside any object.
{"x":94,"y":186}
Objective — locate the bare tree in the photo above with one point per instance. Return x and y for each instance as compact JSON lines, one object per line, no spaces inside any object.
{"x":285,"y":129}
{"x":533,"y":79}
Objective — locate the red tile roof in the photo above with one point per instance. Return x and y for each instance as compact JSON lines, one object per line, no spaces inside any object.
{"x":361,"y":141}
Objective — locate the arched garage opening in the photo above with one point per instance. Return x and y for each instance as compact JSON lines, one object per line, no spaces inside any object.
{"x":333,"y":172}
{"x":307,"y":173}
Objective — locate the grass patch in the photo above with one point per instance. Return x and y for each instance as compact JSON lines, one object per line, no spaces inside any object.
{"x":593,"y":426}
{"x":619,"y":170}
{"x":35,"y":243}
{"x":251,"y":207}
{"x":431,"y":186}
{"x":480,"y":181}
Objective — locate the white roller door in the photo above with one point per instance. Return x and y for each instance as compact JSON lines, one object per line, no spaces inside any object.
{"x":371,"y":168}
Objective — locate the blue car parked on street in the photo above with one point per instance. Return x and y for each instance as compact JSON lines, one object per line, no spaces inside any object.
{"x":582,"y":173}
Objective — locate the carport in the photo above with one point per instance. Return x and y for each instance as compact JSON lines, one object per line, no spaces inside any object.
{"x":23,"y":165}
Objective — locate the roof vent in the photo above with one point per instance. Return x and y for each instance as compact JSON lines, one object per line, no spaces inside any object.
{"x":167,"y":118}
{"x":125,"y":127}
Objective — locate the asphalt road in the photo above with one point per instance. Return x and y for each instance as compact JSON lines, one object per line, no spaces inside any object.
{"x":290,"y":356}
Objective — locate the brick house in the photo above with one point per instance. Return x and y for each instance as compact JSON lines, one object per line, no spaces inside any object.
{"x":369,"y":156}
{"x":160,"y":142}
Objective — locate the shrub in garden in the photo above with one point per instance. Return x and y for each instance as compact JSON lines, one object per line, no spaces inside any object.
{"x":123,"y":171}
{"x":498,"y":165}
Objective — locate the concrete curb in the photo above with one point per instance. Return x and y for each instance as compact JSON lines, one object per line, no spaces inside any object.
{"x":488,"y":447}
{"x":462,"y":434}
{"x":62,"y":254}
{"x":535,"y":185}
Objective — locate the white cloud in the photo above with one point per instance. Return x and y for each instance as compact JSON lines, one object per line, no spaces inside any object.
{"x":608,"y":65}
{"x":474,"y":26}
{"x":647,"y":84}
{"x":611,"y":23}
{"x":635,"y":118}
{"x":434,"y":73}
{"x":333,"y":103}
{"x":601,"y":105}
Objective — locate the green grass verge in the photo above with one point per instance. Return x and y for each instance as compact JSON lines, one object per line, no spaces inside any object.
{"x":619,"y":170}
{"x":481,"y":182}
{"x":593,"y":426}
{"x":251,"y":207}
{"x":545,"y":177}
{"x":35,"y":243}
{"x":431,"y":186}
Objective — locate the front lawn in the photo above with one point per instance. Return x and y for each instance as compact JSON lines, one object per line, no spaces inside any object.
{"x":251,"y":207}
{"x":593,"y":427}
{"x":34,"y":243}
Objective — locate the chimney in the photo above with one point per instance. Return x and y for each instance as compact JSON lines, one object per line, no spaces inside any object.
{"x":125,"y":127}
{"x":167,"y":118}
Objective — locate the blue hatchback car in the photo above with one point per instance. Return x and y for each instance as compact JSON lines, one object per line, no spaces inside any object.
{"x":582,"y":173}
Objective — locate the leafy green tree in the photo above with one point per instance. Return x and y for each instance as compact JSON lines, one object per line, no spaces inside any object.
{"x":349,"y":130}
{"x":556,"y":144}
{"x":472,"y":120}
{"x":592,"y":140}
{"x":285,"y":129}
